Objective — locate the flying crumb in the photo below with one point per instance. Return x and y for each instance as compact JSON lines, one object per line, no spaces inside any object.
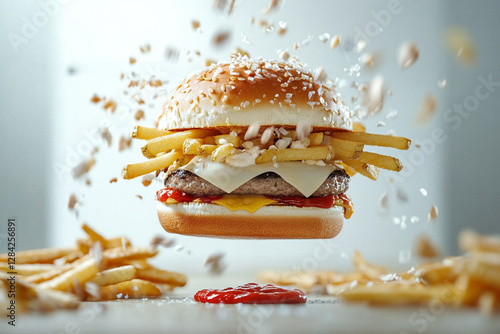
{"x":442,"y":83}
{"x":147,"y":179}
{"x":324,"y":37}
{"x":113,"y":180}
{"x":162,"y":241}
{"x":461,"y":45}
{"x":109,"y":105}
{"x":195,"y":24}
{"x":139,"y":196}
{"x":83,"y":167}
{"x":272,"y":5}
{"x":139,"y":114}
{"x":146,"y":48}
{"x":88,"y":182}
{"x":423,"y":191}
{"x":72,"y":201}
{"x":221,"y":38}
{"x":425,"y":248}
{"x":284,"y":55}
{"x":95,"y":99}
{"x":208,"y":62}
{"x":433,"y":214}
{"x":407,"y":54}
{"x":296,"y":46}
{"x":282,"y":31}
{"x":374,"y":96}
{"x":427,"y":109}
{"x":215,"y":263}
{"x":106,"y":135}
{"x":360,"y":46}
{"x":124,"y":143}
{"x":241,"y":52}
{"x":334,"y":42}
{"x":383,"y":202}
{"x":132,"y":60}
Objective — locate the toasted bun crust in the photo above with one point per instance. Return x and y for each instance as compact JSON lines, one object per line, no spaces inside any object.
{"x":242,"y":92}
{"x":269,"y":222}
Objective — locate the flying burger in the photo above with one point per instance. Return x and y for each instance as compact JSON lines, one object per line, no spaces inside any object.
{"x":257,"y":149}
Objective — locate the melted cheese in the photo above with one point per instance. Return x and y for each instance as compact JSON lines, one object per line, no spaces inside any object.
{"x":305,"y":178}
{"x":250,"y":203}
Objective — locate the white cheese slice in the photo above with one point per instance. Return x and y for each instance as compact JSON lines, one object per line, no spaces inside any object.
{"x":306,"y":178}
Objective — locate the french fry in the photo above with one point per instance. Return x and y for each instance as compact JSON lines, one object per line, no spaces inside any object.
{"x":316,"y":138}
{"x":83,"y":245}
{"x":141,"y":132}
{"x":82,"y":272}
{"x":345,"y":148}
{"x":118,"y":242}
{"x":439,"y":272}
{"x":162,"y":276}
{"x":114,"y":275}
{"x":362,"y":168}
{"x":132,"y":289}
{"x":207,"y":149}
{"x":470,"y":290}
{"x":119,"y":255}
{"x":173,"y":141}
{"x":348,"y":169}
{"x":221,"y":152}
{"x":134,"y":170}
{"x":400,"y":143}
{"x":227,"y":139}
{"x":485,"y":268}
{"x":358,"y":127}
{"x":469,"y":240}
{"x":392,"y":294}
{"x":381,"y":161}
{"x":70,"y":258}
{"x":294,"y":154}
{"x":192,"y":146}
{"x":47,"y":275}
{"x":47,"y":255}
{"x":367,"y":269}
{"x":93,"y":235}
{"x":28,"y":269}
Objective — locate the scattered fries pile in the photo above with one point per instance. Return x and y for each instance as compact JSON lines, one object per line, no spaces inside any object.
{"x":169,"y":150}
{"x":472,"y":280}
{"x":97,"y":269}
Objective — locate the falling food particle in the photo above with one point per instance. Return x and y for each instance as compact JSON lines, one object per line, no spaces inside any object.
{"x":124,"y":143}
{"x":132,"y":60}
{"x":110,"y":106}
{"x":383,"y":202}
{"x":324,"y":37}
{"x":320,"y":74}
{"x":72,"y":201}
{"x":282,"y":31}
{"x":95,"y":99}
{"x":231,"y":7}
{"x":221,"y":38}
{"x":106,"y":135}
{"x":83,"y":168}
{"x":407,"y":54}
{"x":171,"y":54}
{"x":284,"y":55}
{"x":178,"y":248}
{"x":374,"y":96}
{"x":380,"y":124}
{"x":433,"y":214}
{"x":240,"y":52}
{"x":442,"y":83}
{"x":139,"y":114}
{"x":215,"y":263}
{"x":88,"y":182}
{"x":368,"y":60}
{"x":334,"y":42}
{"x":402,"y":195}
{"x":146,"y":48}
{"x":425,"y":248}
{"x":296,"y":46}
{"x":147,"y":179}
{"x":361,"y":46}
{"x":162,"y":241}
{"x":195,"y":24}
{"x":113,"y":180}
{"x":208,"y":62}
{"x":461,"y":45}
{"x":392,"y":114}
{"x":423,"y":191}
{"x":272,"y":5}
{"x":139,"y":196}
{"x":427,"y":109}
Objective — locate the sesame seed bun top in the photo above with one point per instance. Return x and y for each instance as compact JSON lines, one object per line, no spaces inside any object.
{"x":243,"y":92}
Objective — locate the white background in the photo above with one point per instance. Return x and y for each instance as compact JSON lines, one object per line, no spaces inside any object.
{"x":47,"y":116}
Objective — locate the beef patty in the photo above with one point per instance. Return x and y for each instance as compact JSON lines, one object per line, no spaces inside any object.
{"x":264,"y":184}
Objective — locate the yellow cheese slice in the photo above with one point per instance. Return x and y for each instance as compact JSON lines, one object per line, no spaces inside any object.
{"x":251,"y":203}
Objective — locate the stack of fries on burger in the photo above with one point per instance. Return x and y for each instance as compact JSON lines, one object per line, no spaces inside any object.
{"x":258,"y":149}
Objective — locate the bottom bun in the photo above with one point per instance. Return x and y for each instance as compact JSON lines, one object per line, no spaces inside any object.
{"x":269,"y":222}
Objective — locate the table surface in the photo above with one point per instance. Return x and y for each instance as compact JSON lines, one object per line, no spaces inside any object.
{"x":179,"y":313}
